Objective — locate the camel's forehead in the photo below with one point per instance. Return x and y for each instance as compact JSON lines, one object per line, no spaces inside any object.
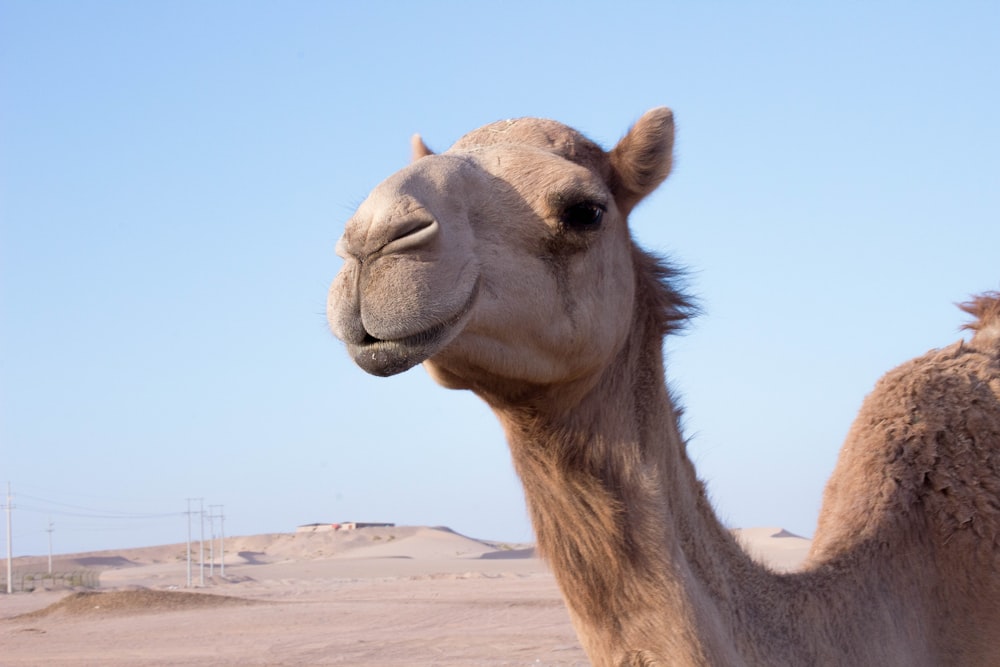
{"x":539,"y":133}
{"x":530,"y":155}
{"x":477,"y":174}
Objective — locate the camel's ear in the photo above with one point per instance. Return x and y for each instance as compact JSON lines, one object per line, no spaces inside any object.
{"x":419,"y":148}
{"x":643,"y":158}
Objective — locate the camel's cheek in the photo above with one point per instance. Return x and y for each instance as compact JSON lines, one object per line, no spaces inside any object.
{"x":597,"y":309}
{"x":541,"y":346}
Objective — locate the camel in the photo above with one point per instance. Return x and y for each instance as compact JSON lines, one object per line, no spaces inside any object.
{"x":505,"y":266}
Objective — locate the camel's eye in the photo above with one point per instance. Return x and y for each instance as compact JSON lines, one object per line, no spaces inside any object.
{"x":584,"y":216}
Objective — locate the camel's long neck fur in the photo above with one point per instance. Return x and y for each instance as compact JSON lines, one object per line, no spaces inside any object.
{"x":621,"y":516}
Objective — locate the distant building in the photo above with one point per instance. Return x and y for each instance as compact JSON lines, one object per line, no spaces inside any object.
{"x":317,"y":528}
{"x":347,"y":525}
{"x":354,"y":525}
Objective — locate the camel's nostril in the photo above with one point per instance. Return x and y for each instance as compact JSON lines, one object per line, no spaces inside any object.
{"x":412,"y":233}
{"x":413,"y":226}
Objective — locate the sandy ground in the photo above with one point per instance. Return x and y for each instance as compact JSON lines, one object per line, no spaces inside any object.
{"x":379,"y":596}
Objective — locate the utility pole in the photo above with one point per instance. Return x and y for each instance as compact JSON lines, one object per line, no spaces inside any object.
{"x":189,"y":543}
{"x":49,"y":531}
{"x":201,"y":544}
{"x":215,"y":512}
{"x":10,"y":546}
{"x":211,"y":543}
{"x":222,"y":542}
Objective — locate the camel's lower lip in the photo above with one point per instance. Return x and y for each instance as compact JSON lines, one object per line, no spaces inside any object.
{"x":390,"y":357}
{"x":386,"y":358}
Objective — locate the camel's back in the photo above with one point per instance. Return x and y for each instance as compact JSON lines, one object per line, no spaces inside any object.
{"x":915,"y":497}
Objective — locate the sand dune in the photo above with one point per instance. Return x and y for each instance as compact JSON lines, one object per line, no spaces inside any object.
{"x":377,"y":596}
{"x":781,"y":550}
{"x":127,"y":602}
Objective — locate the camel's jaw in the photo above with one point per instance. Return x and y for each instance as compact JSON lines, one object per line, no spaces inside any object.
{"x":385,"y":357}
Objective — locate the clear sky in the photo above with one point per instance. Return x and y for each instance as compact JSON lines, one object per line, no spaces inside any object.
{"x":174,"y":176}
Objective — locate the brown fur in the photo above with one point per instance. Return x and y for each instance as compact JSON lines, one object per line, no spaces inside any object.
{"x":985,"y":308}
{"x":465,"y":262}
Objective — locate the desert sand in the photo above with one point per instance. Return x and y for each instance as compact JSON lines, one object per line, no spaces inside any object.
{"x":373,"y":596}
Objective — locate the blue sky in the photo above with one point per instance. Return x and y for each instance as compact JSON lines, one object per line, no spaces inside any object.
{"x":174,"y":176}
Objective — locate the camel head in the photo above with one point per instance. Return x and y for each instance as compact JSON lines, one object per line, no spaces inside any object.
{"x":503,"y":263}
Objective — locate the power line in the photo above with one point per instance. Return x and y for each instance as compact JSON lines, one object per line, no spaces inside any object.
{"x":86,"y":515}
{"x":88,"y":512}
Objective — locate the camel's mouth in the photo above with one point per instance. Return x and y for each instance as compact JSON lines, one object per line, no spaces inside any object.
{"x":390,"y":357}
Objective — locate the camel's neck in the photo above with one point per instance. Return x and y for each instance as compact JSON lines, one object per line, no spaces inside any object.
{"x":623,"y":520}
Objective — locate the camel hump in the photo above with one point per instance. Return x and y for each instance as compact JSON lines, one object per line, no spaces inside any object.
{"x":986,"y":309}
